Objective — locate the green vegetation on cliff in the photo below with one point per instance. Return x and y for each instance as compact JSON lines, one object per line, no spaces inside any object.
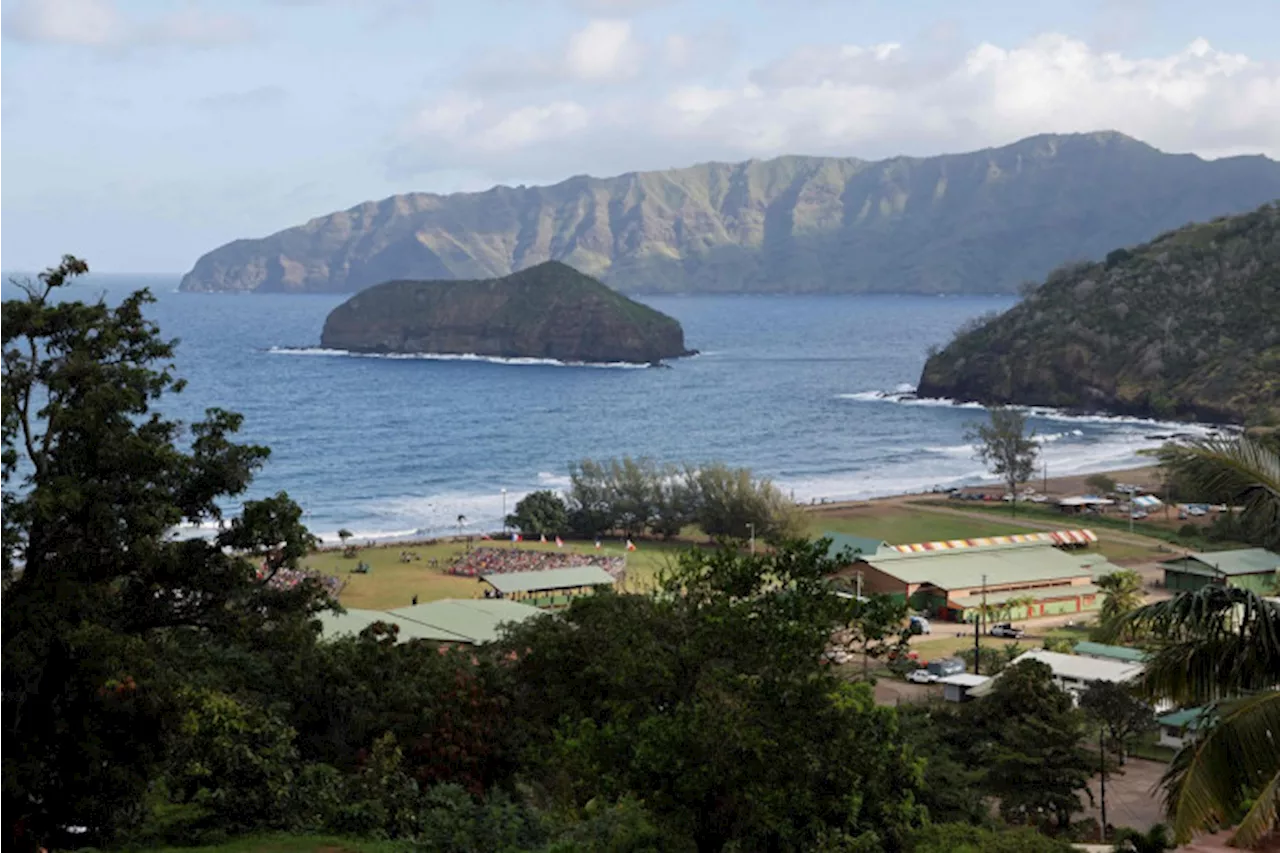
{"x":547,"y":311}
{"x":1186,"y":326}
{"x":977,"y":222}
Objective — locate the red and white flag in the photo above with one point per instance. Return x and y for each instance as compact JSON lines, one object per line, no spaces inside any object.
{"x":597,"y":544}
{"x":559,"y":542}
{"x":543,"y":539}
{"x":631,"y":546}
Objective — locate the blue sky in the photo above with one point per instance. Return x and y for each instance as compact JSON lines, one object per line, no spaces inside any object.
{"x":140,"y":135}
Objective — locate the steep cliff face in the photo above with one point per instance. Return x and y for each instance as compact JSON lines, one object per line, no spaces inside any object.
{"x":977,"y":222}
{"x":547,"y":311}
{"x":1186,"y":326}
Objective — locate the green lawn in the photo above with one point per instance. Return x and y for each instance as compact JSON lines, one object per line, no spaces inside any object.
{"x":911,"y":525}
{"x":391,"y":583}
{"x":283,"y":843}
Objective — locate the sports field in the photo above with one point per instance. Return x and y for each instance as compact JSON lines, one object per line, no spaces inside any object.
{"x":391,"y":583}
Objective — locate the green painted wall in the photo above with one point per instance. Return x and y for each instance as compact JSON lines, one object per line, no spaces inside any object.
{"x":1176,"y":581}
{"x":1263,"y":584}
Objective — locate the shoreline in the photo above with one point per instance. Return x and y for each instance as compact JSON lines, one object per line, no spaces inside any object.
{"x":1054,"y":487}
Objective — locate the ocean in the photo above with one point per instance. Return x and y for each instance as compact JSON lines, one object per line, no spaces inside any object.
{"x":811,"y":391}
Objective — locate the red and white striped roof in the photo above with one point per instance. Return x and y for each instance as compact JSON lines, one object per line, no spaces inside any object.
{"x":1056,"y":537}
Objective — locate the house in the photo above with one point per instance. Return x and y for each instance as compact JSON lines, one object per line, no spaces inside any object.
{"x":1075,"y":673}
{"x":1175,"y":728}
{"x":1105,"y":652}
{"x":1024,"y":576}
{"x":1247,"y":568}
{"x":955,"y":688}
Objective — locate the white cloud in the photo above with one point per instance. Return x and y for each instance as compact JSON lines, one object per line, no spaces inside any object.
{"x":83,"y":23}
{"x":863,"y":100}
{"x":602,"y":50}
{"x":100,"y":25}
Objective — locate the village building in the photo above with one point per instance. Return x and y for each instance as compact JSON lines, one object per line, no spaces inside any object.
{"x":1247,"y":568}
{"x":453,"y":621}
{"x":1016,"y":577}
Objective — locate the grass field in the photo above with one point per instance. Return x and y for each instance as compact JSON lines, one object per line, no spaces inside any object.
{"x":899,"y":525}
{"x":391,"y":583}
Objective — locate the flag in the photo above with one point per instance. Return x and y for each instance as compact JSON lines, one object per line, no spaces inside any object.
{"x":559,"y":542}
{"x":597,"y":544}
{"x":543,"y":539}
{"x":515,"y":537}
{"x":631,"y":546}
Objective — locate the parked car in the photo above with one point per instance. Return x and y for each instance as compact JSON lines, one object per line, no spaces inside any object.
{"x":920,"y":625}
{"x":946,"y":666}
{"x":1005,"y":629}
{"x":921,"y":676}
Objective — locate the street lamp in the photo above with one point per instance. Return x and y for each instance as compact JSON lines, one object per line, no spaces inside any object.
{"x":752,"y":528}
{"x":504,"y":510}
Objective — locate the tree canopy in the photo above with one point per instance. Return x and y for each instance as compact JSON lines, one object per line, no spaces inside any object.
{"x":1005,"y":446}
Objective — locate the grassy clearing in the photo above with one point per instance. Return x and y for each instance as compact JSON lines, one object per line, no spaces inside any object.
{"x":1148,"y":746}
{"x":391,"y":583}
{"x":899,"y":525}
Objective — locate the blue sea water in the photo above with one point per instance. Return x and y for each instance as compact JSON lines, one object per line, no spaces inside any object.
{"x":809,"y":390}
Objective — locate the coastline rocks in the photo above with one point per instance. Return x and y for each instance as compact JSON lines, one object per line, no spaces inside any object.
{"x":549,"y":311}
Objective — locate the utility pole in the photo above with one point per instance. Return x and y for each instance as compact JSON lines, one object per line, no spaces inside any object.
{"x":1045,"y":488}
{"x":1132,"y":508}
{"x":1102,"y":784}
{"x":977,"y":653}
{"x":858,"y":576}
{"x":504,"y":511}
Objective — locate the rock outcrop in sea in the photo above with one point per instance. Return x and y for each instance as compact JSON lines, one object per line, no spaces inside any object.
{"x":548,"y":311}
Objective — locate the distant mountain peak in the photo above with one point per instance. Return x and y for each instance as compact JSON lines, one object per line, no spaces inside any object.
{"x":977,"y":222}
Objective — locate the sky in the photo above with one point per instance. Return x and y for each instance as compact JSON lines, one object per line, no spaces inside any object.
{"x":140,"y":134}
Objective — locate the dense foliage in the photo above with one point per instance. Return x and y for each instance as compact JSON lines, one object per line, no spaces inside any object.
{"x":1183,"y":326}
{"x":638,"y":495}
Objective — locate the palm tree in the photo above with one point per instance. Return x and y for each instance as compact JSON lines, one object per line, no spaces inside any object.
{"x":1123,"y":595}
{"x":1220,"y":647}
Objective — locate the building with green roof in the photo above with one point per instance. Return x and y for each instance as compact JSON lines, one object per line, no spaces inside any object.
{"x":1105,"y":652}
{"x":469,"y":621}
{"x":1018,"y":580}
{"x":1175,"y":728}
{"x":863,"y":545}
{"x":1255,"y":569}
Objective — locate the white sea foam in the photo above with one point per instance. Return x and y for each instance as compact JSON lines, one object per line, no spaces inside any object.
{"x":431,"y":356}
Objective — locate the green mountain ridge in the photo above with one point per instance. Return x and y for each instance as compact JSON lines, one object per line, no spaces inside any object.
{"x":983,"y":221}
{"x":547,"y":311}
{"x":1186,"y":326}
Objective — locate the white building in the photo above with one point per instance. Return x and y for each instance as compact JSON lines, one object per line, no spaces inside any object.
{"x":956,"y":688}
{"x":1074,"y":673}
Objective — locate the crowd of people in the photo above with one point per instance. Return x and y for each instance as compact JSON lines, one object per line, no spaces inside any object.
{"x":286,"y":578}
{"x":493,"y":561}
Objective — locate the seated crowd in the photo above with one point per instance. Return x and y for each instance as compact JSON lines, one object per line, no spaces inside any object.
{"x":286,"y":578}
{"x":493,"y":561}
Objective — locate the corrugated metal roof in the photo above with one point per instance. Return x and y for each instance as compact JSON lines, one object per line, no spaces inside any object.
{"x":355,"y":620}
{"x":1186,"y":717}
{"x":1242,"y":561}
{"x":1101,"y":650}
{"x":469,"y":618}
{"x":1083,"y":668}
{"x":864,"y":545}
{"x":1002,"y":565}
{"x":549,"y":579}
{"x":451,"y":620}
{"x":964,"y":679}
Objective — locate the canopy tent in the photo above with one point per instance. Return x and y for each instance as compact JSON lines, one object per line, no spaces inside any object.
{"x":1057,"y":537}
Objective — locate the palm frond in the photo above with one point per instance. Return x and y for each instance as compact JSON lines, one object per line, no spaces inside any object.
{"x":1233,"y":469}
{"x":1260,"y":820}
{"x":1209,"y":644}
{"x":1237,"y":754}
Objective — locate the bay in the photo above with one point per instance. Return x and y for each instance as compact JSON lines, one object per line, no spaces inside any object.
{"x":812,"y":391}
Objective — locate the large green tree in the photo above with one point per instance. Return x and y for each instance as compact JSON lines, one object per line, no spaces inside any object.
{"x":1123,"y":715}
{"x":94,"y":582}
{"x":1005,"y":446}
{"x":1030,"y":746}
{"x":540,"y":513}
{"x":707,"y":700}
